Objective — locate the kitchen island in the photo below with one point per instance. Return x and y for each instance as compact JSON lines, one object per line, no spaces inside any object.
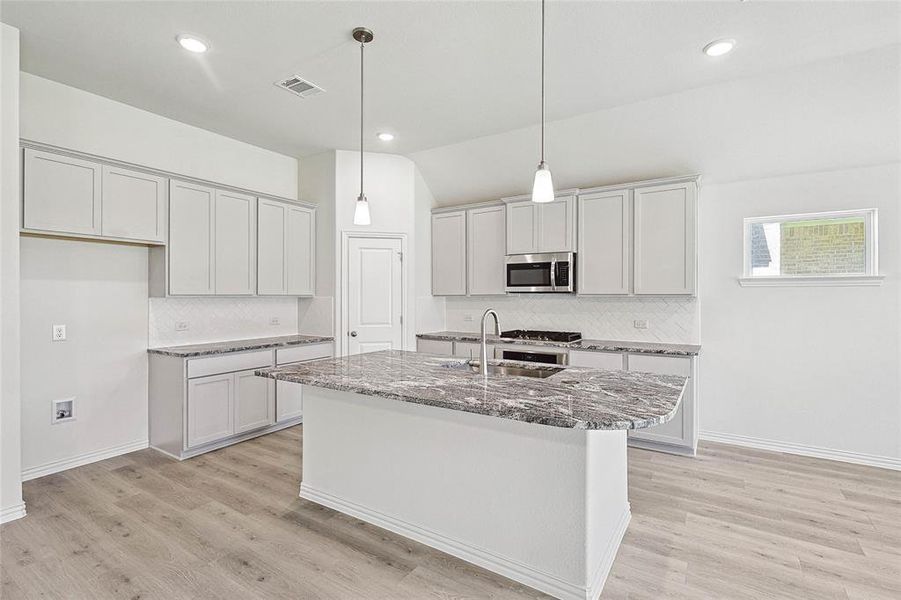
{"x":523,"y":475}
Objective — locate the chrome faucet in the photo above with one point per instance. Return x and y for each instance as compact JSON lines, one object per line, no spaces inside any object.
{"x":483,"y":353}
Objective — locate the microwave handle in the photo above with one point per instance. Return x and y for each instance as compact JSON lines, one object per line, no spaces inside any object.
{"x":554,"y":274}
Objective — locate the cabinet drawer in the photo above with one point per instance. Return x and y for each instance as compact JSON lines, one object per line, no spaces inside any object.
{"x":300,"y":353}
{"x":227,"y":363}
{"x":445,"y":348}
{"x":663,"y":365}
{"x":606,"y":361}
{"x":470,"y":350}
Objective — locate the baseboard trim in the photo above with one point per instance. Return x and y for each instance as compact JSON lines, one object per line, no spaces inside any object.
{"x":602,"y":571}
{"x":82,"y":459}
{"x":230,"y":441}
{"x":662,"y":447}
{"x":857,"y":458}
{"x":501,"y":565}
{"x":11,"y":513}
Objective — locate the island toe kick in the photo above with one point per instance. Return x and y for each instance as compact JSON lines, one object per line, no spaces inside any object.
{"x":545,"y":506}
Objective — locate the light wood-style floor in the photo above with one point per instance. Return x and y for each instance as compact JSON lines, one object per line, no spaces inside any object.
{"x":730,"y":524}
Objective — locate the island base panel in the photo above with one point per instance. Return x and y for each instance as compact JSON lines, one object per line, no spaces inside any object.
{"x":545,"y":506}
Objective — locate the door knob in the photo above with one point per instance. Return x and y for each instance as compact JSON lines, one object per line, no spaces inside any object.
{"x":353,"y":334}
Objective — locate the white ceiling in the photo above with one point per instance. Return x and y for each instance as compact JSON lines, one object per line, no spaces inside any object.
{"x":438,"y":73}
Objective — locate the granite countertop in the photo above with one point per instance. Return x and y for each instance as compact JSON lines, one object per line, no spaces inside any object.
{"x":585,"y":344}
{"x":240,"y":345}
{"x":574,"y":398}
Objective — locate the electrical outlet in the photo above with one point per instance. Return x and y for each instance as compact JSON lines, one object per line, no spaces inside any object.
{"x":275,"y":321}
{"x":467,"y":318}
{"x":181,"y":326}
{"x":640,"y":323}
{"x":59,"y":333}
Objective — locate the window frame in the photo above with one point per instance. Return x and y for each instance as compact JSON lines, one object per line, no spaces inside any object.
{"x":871,"y":249}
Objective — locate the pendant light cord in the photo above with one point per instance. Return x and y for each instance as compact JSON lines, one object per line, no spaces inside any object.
{"x":362,"y":45}
{"x":542,"y":81}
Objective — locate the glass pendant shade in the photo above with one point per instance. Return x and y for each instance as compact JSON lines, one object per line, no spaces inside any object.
{"x":543,"y":188}
{"x":361,"y":212}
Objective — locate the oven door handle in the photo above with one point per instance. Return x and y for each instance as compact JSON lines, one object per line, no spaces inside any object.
{"x":554,"y":274}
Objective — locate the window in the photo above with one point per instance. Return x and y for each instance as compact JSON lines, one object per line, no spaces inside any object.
{"x":830,"y":248}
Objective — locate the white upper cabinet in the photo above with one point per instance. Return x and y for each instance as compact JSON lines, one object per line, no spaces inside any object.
{"x":557,"y":225}
{"x":449,"y":254}
{"x":522,"y":228}
{"x":604,"y":259}
{"x":664,"y":238}
{"x":235,"y":244}
{"x":301,"y":250}
{"x":286,"y":242}
{"x":486,"y":228}
{"x":62,"y":194}
{"x":549,"y":227}
{"x":192,"y":249}
{"x":133,"y":205}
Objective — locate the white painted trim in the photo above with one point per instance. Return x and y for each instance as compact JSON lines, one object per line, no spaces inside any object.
{"x":471,"y":206}
{"x":346,"y":235}
{"x":602,"y":570}
{"x":696,"y":178}
{"x":493,"y":562}
{"x":230,"y":441}
{"x":558,"y":195}
{"x":664,"y":447}
{"x":857,"y":458}
{"x":11,"y":513}
{"x":82,"y":459}
{"x":824,"y":281}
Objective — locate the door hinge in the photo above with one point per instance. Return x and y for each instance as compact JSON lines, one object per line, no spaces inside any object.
{"x":400,"y":255}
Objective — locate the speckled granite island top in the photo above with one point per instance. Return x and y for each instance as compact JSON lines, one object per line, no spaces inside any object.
{"x":585,"y":345}
{"x":240,"y":345}
{"x":574,"y":398}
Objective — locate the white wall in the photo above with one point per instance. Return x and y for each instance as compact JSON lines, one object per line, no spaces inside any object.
{"x":64,"y":116}
{"x":673,"y":320}
{"x":815,"y":367}
{"x":832,"y":114}
{"x":11,"y":506}
{"x":430,"y":310}
{"x":389,"y":182}
{"x":114,"y":408}
{"x":100,"y":293}
{"x":317,"y":184}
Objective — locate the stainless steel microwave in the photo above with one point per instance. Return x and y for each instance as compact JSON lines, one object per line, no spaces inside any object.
{"x":549,"y":272}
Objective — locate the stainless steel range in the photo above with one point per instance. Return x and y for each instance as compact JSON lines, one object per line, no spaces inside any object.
{"x":540,"y":355}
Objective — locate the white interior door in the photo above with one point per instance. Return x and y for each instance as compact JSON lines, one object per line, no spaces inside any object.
{"x":374,"y":295}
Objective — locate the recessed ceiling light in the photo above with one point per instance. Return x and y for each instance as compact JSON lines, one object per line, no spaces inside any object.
{"x":386,"y":137}
{"x":719,"y":47}
{"x":192,"y":43}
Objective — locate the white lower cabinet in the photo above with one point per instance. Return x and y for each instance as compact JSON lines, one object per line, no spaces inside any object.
{"x":211,"y":409}
{"x":198,"y":404}
{"x":445,"y":348}
{"x":680,"y":434}
{"x":471,"y":351}
{"x":254,"y":401}
{"x":606,"y":361}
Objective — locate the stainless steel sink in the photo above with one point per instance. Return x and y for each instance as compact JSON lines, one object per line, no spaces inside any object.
{"x":540,"y":372}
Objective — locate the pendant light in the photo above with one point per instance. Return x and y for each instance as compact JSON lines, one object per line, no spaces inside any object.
{"x":543,"y":188}
{"x":361,"y":212}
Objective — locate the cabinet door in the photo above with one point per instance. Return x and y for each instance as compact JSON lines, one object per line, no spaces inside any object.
{"x":606,"y":361}
{"x":557,"y":225}
{"x":679,"y":431}
{"x":254,"y":401}
{"x":522,"y":227}
{"x":272,"y":266}
{"x":604,"y":241}
{"x":192,"y":261}
{"x":486,"y":238}
{"x":289,"y":400}
{"x":235,"y":244}
{"x":134,"y":205}
{"x":61,"y":193}
{"x":301,"y":248}
{"x":471,"y":351}
{"x":445,"y":348}
{"x":211,"y":409}
{"x":665,"y":252}
{"x":449,"y":254}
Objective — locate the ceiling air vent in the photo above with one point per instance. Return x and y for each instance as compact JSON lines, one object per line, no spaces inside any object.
{"x":301,"y":87}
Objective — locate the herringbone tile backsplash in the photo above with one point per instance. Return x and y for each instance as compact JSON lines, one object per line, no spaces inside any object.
{"x":670,"y":319}
{"x":217,"y":319}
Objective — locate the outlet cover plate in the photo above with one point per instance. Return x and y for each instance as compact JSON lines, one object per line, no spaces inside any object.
{"x":59,"y":333}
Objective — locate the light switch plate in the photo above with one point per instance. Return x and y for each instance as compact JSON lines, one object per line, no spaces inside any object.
{"x":59,"y":333}
{"x":275,"y":321}
{"x":181,"y":326}
{"x":640,"y":323}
